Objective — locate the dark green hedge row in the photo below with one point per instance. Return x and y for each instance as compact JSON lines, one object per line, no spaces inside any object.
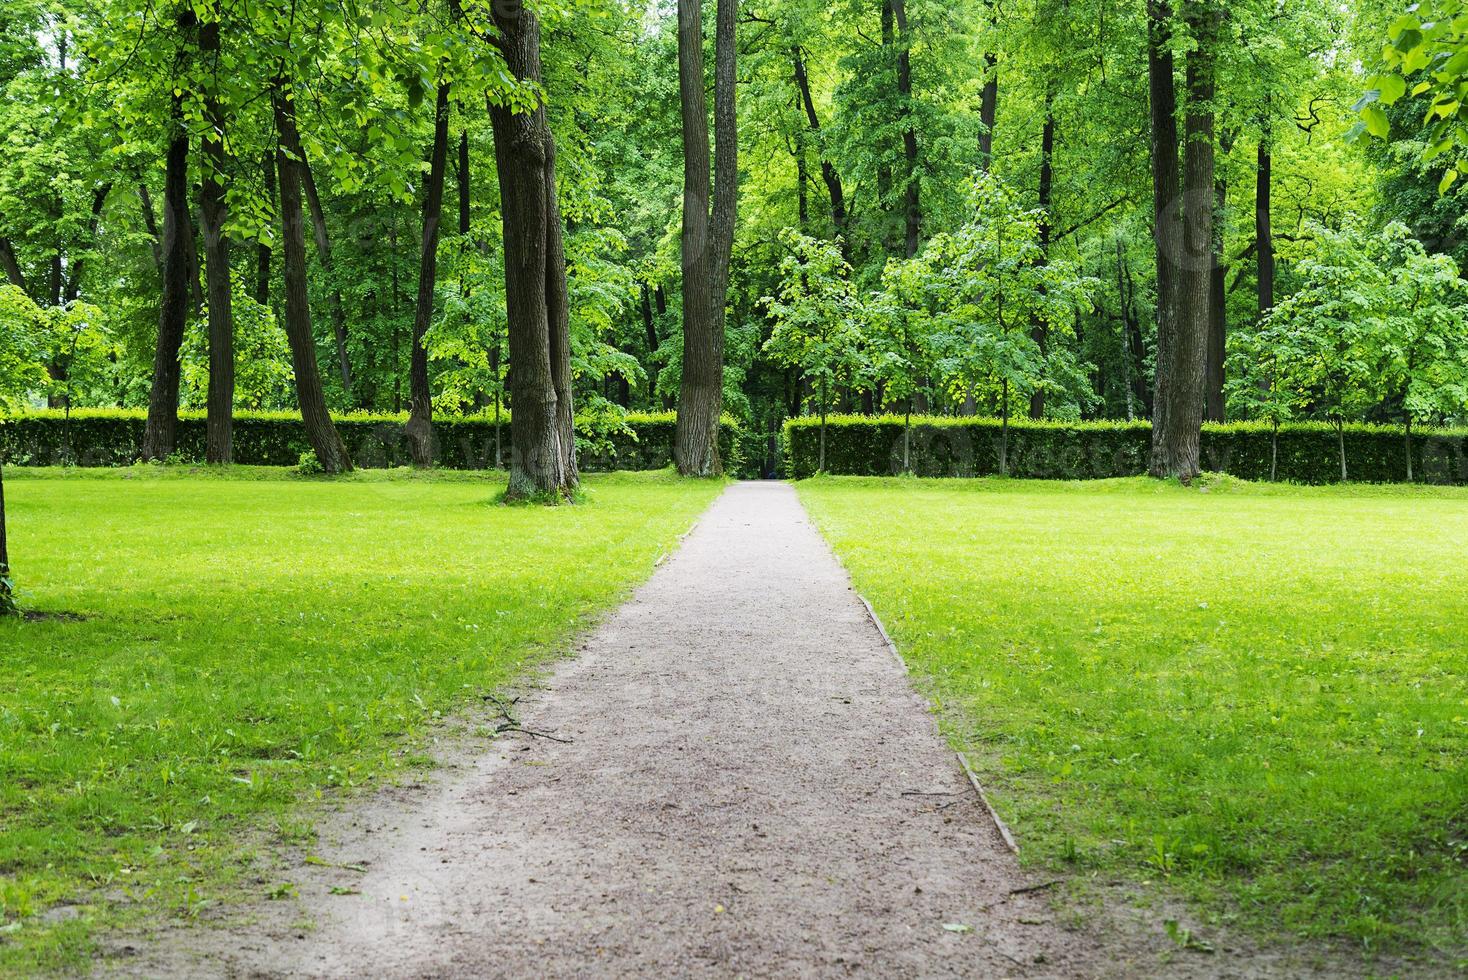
{"x":1308,"y":453}
{"x":112,"y":438}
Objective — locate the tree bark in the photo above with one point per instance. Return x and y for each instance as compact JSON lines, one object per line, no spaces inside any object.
{"x":521,"y":141}
{"x":1175,"y":446}
{"x":1136,"y":346}
{"x":320,"y":431}
{"x":158,"y":434}
{"x":912,"y":210}
{"x":558,"y":313}
{"x":707,"y":240}
{"x":1215,"y":406}
{"x":834,"y":188}
{"x":323,"y":254}
{"x":1166,"y":218}
{"x":652,"y":345}
{"x":420,"y":397}
{"x":219,"y":427}
{"x":11,"y":264}
{"x":150,"y":222}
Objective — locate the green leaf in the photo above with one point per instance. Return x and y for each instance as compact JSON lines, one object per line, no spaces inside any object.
{"x":1376,"y":121}
{"x":1392,"y":88}
{"x":1447,"y":182}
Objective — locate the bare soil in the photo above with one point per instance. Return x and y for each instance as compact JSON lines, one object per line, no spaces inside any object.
{"x":740,"y":782}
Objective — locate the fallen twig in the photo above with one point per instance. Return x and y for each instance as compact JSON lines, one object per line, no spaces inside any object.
{"x":1036,"y":888}
{"x":511,"y":725}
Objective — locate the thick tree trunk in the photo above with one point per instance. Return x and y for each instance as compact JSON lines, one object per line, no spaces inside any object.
{"x":1038,"y":332}
{"x":420,"y":397}
{"x":1166,"y":214}
{"x":1175,"y":447}
{"x":262,"y":250}
{"x":912,"y":210}
{"x":521,"y":142}
{"x":219,"y":430}
{"x":158,"y":434}
{"x":834,"y":188}
{"x":320,"y":431}
{"x":707,"y":239}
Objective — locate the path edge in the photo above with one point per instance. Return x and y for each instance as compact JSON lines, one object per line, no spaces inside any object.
{"x":999,"y":825}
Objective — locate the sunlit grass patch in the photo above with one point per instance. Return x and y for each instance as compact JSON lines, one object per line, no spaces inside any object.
{"x":238,"y":644}
{"x":1257,"y":693}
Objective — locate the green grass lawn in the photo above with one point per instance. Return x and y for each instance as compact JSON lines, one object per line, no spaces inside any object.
{"x":1259,"y":693}
{"x":254,"y":641}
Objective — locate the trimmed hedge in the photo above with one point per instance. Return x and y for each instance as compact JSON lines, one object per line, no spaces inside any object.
{"x":112,"y":437}
{"x":965,"y":447}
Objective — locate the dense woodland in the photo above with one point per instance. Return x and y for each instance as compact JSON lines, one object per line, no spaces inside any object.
{"x":1052,"y":209}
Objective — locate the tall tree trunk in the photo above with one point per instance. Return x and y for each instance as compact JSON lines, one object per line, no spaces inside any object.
{"x":7,"y":594}
{"x":652,"y":345}
{"x":1166,"y":216}
{"x":912,"y":210}
{"x":320,"y":431}
{"x":158,"y":434}
{"x":1176,"y":443}
{"x":1136,"y":349}
{"x":1214,"y":405}
{"x":1038,"y":332}
{"x":195,"y":268}
{"x":834,"y":188}
{"x":884,"y":169}
{"x":262,"y":250}
{"x":324,"y":256}
{"x":420,"y":397}
{"x":989,"y":97}
{"x":707,"y":239}
{"x":521,"y":142}
{"x":11,"y":264}
{"x":558,"y":312}
{"x":1264,"y":226}
{"x":219,"y":427}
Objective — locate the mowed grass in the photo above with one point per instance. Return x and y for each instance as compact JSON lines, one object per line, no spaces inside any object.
{"x":252,"y":642}
{"x":1258,"y":693}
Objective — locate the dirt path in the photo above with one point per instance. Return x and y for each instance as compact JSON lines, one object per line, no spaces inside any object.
{"x":750,"y":788}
